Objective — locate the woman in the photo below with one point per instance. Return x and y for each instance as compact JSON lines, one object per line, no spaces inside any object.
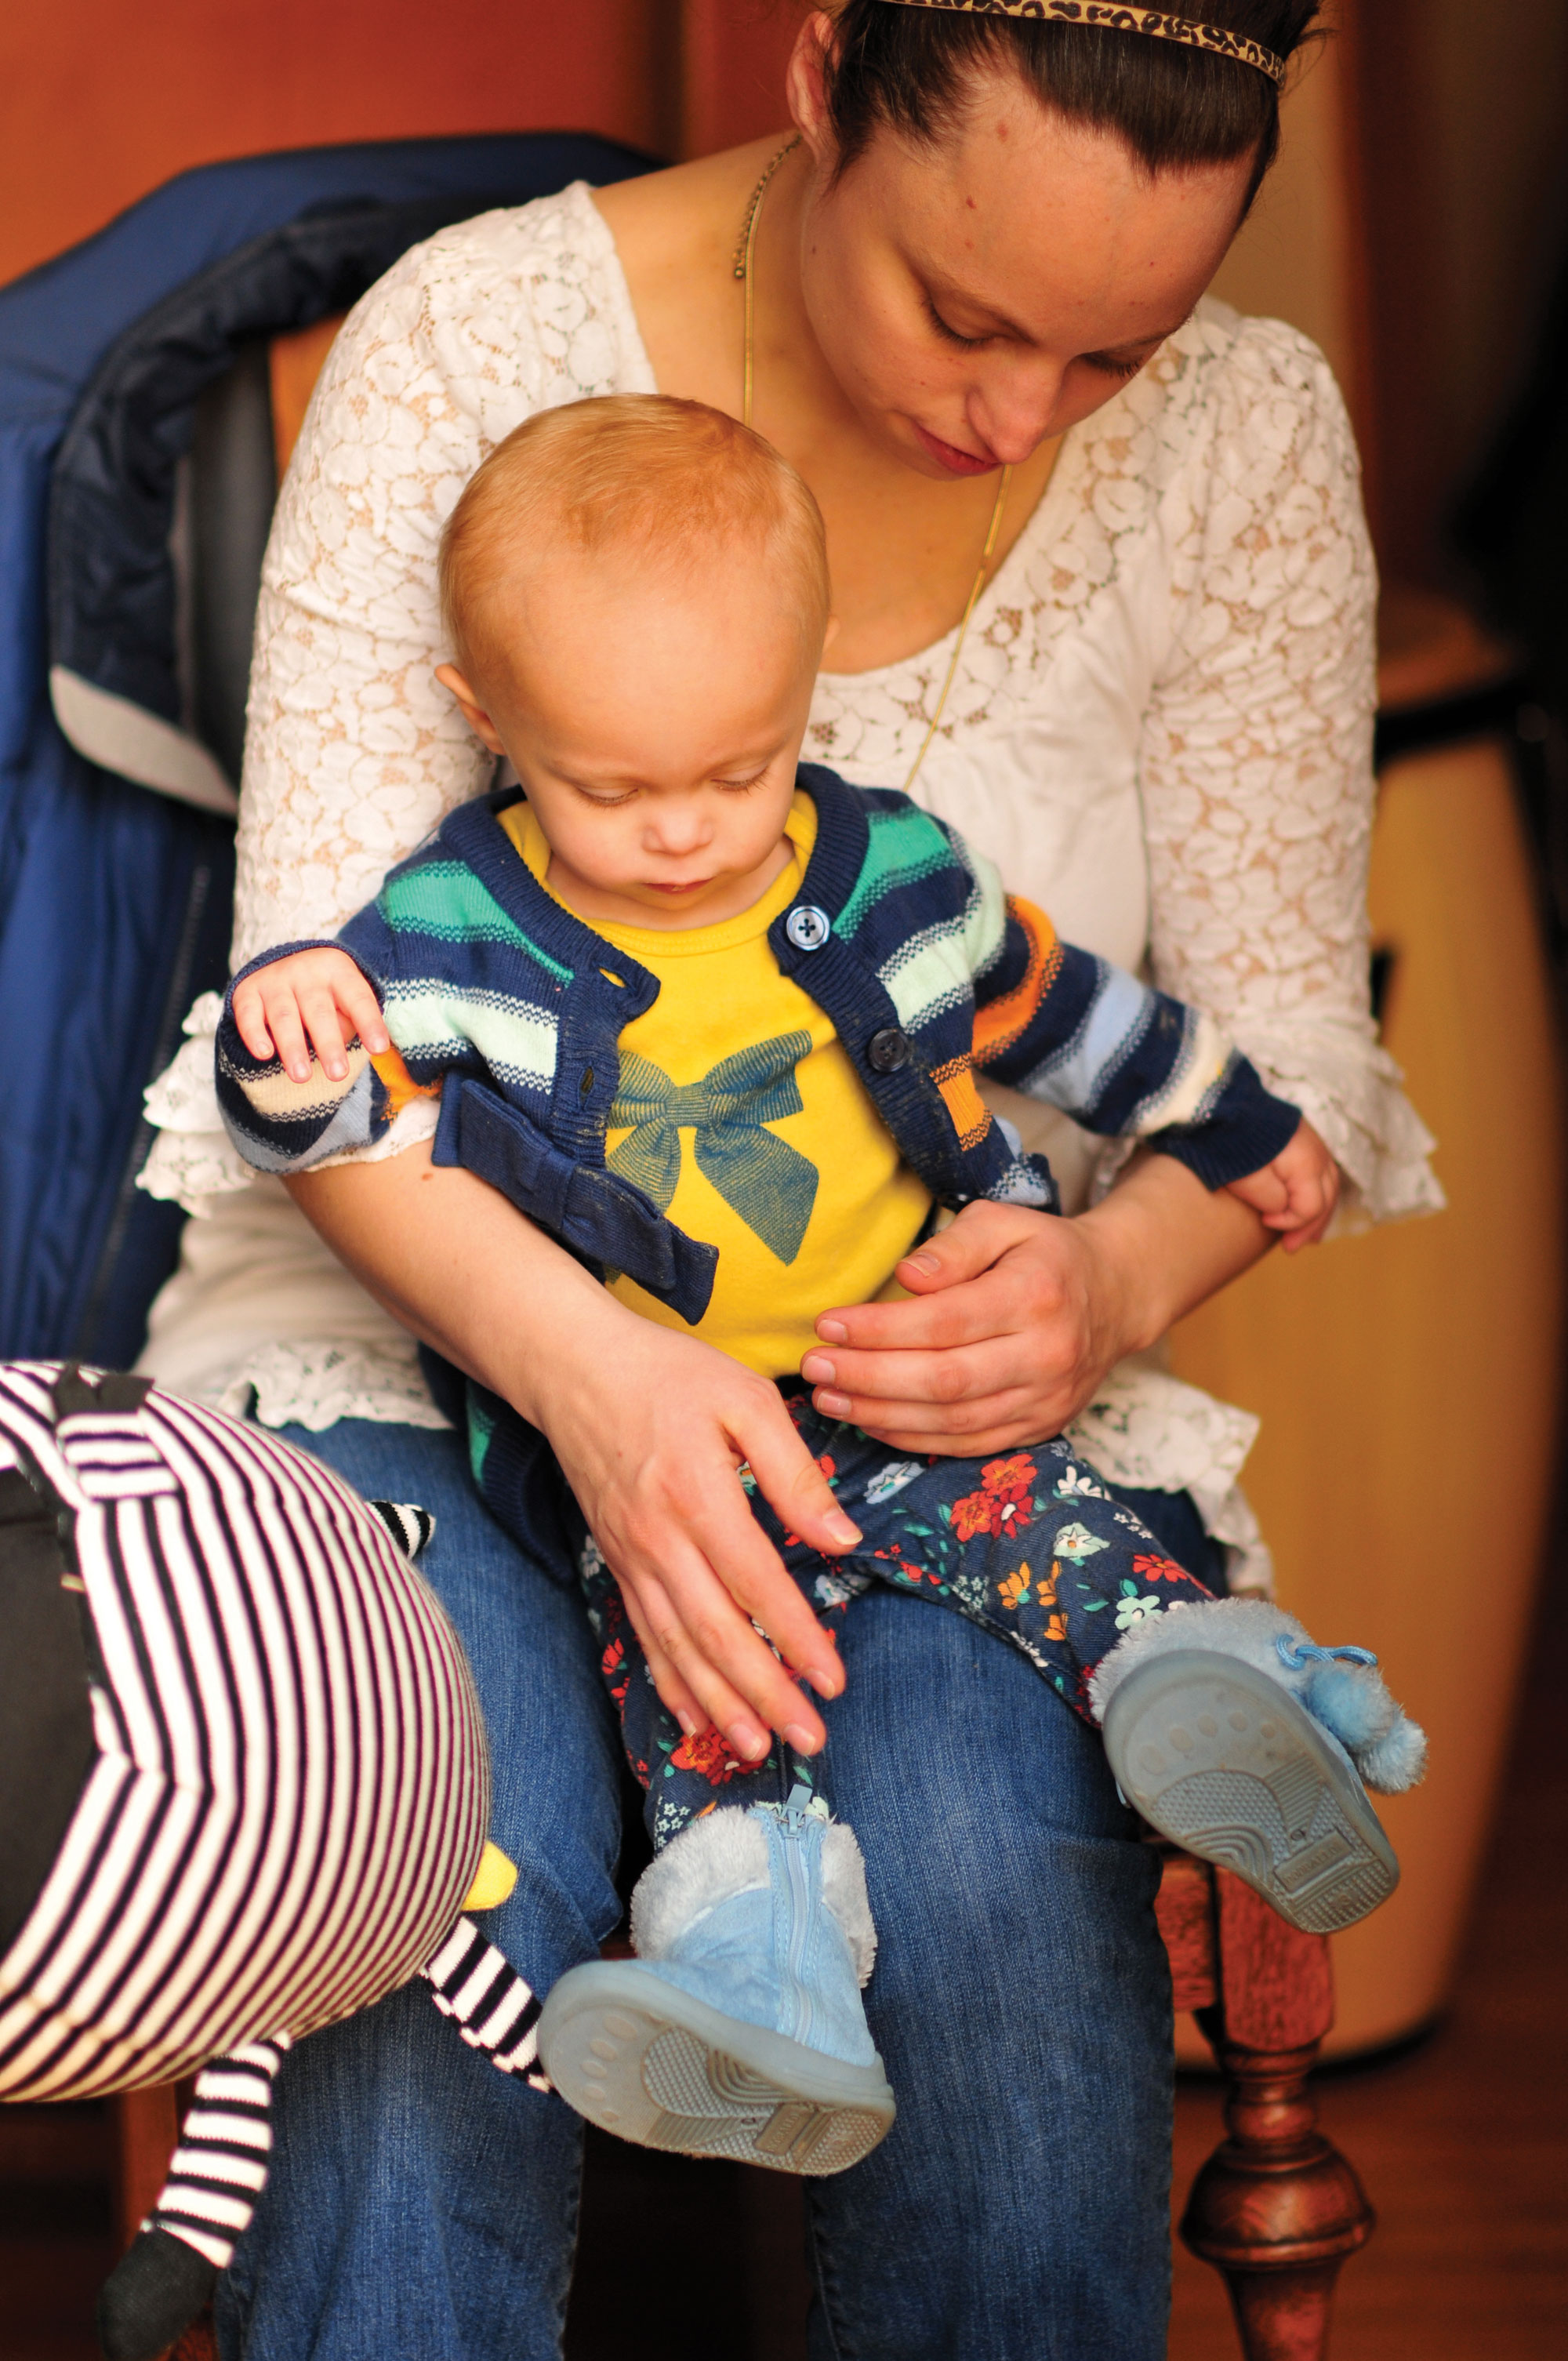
{"x":982,"y":253}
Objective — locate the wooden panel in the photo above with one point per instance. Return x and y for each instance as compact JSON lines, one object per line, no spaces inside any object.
{"x":101,"y":101}
{"x":1408,"y":1378}
{"x":1463,"y":117}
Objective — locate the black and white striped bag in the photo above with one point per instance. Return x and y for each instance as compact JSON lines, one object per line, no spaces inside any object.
{"x":243,"y":1788}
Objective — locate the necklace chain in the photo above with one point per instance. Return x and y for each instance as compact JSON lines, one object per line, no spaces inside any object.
{"x":745,"y":250}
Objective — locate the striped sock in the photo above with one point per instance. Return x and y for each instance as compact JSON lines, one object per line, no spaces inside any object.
{"x":495,"y":2011}
{"x":219,"y":2169}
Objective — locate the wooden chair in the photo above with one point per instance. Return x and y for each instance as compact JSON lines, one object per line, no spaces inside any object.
{"x":1276,"y":2209}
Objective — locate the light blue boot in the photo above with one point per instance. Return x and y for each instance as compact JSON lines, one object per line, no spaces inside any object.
{"x":1245,"y":1743}
{"x":737,"y":2030}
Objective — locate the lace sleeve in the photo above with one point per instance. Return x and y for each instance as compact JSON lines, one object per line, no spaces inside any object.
{"x":1256,"y":767}
{"x":354,"y":752}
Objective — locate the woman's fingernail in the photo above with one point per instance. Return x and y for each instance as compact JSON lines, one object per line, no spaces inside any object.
{"x":841,"y":1529}
{"x":817,"y":1369}
{"x":824,"y":1686}
{"x":924,"y":1262}
{"x":832,"y":1405}
{"x":689,"y":1723}
{"x":300,"y":1071}
{"x":800,"y":1738}
{"x":832,"y":1331}
{"x":337,"y":1069}
{"x":748,"y":1740}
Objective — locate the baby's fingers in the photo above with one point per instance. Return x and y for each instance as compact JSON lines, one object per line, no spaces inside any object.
{"x":250,"y":1020}
{"x":1267,"y":1192}
{"x":283,"y":1010}
{"x":362,"y":1012}
{"x":1310,"y":1228}
{"x":318,"y":1007}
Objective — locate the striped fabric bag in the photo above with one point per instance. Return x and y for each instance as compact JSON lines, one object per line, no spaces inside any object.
{"x":244,"y":1789}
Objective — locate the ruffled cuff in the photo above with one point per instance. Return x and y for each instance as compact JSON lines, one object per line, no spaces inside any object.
{"x":1352,"y":1093}
{"x":1149,"y":1430}
{"x":192,"y":1161}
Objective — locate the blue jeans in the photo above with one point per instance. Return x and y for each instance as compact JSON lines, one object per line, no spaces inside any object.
{"x":1032,"y":1545}
{"x":422,"y":2207}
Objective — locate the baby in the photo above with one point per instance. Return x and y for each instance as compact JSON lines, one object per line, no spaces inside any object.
{"x":712,"y":1017}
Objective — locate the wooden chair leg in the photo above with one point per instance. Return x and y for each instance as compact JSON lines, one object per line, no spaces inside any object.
{"x":1276,"y":2209}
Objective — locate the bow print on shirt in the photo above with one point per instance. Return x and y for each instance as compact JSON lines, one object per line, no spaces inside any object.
{"x":770,"y":1184}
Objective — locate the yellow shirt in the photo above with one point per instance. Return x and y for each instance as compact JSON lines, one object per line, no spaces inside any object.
{"x":738,"y":1099}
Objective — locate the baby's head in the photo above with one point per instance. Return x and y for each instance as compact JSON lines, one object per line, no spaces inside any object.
{"x":635,"y":590}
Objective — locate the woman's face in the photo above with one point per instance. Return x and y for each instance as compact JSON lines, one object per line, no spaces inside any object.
{"x":977,"y":297}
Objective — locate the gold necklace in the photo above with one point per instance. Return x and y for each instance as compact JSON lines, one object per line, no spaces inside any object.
{"x":744,"y":252}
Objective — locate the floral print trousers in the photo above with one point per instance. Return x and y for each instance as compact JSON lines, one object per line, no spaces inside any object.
{"x":1032,"y":1546}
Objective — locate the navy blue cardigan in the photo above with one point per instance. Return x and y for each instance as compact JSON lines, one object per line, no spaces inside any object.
{"x":498,"y":1000}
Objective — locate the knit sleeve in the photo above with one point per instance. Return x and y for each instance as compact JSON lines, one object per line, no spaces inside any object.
{"x":1074,"y":1031}
{"x":280,"y":1125}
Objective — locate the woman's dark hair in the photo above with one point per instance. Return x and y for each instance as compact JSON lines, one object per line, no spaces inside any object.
{"x":908,"y":68}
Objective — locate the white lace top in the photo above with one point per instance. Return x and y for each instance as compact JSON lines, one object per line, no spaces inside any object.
{"x":1160,"y":729}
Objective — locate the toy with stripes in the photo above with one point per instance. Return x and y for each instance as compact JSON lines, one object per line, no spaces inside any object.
{"x":243,"y":1790}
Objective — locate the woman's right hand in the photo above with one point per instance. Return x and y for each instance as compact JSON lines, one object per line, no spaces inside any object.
{"x":651,"y":1454}
{"x":649,"y":1426}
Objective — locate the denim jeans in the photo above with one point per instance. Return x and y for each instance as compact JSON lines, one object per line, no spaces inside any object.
{"x":1033,"y":1546}
{"x":422,"y":2207}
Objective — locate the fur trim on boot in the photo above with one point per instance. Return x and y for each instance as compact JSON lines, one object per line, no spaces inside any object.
{"x":1349,"y":1700}
{"x":726,"y":1852}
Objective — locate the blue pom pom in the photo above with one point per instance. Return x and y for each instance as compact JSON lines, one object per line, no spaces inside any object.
{"x":1397,"y":1761}
{"x":1351,"y":1701}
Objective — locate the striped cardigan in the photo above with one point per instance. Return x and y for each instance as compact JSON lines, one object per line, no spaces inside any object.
{"x":509,"y":1009}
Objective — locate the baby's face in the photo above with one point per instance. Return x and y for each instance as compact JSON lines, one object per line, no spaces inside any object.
{"x":655,"y":721}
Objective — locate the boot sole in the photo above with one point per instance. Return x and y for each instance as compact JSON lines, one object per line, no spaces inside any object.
{"x":656,"y":2066}
{"x":1226,"y":1763}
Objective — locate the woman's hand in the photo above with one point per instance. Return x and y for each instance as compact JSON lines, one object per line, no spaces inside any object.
{"x":1018,"y":1315}
{"x":654,"y":1470}
{"x":651,"y":1427}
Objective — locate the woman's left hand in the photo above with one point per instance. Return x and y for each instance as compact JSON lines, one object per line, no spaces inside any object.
{"x":1018,"y":1315}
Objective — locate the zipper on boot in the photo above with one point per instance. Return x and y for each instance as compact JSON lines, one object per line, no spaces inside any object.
{"x":794,"y":1824}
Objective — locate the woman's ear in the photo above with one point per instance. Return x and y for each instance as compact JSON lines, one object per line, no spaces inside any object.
{"x":805,"y":83}
{"x":474,"y":713}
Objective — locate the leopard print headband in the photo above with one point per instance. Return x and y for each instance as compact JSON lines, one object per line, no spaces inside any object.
{"x":1151,"y":21}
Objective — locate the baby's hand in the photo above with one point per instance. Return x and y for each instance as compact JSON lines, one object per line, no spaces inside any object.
{"x":1296,"y":1194}
{"x":305,"y":1000}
